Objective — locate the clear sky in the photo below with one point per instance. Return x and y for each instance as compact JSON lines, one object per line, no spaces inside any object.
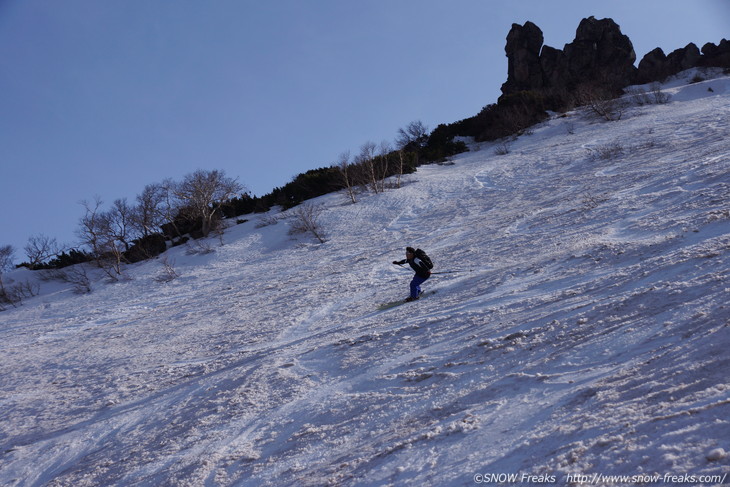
{"x":103,"y":97}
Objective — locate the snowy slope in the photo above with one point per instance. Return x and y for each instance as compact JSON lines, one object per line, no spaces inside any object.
{"x":583,"y":329}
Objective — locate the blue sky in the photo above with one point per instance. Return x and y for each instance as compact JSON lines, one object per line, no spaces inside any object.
{"x":102,"y":98}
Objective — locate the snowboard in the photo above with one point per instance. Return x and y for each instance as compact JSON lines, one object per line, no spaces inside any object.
{"x":393,"y":304}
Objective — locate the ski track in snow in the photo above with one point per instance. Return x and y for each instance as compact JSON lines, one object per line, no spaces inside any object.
{"x":586,"y":329}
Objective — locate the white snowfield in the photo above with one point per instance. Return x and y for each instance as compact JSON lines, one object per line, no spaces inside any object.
{"x":581,"y":334}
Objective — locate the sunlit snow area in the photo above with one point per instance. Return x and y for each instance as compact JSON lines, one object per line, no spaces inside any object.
{"x":580,"y":326}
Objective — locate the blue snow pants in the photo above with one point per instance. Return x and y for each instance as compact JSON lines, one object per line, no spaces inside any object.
{"x":416,"y":285}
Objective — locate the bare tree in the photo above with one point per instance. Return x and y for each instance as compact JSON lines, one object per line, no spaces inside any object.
{"x":384,"y":151}
{"x":168,"y":272}
{"x":401,"y":166}
{"x":6,"y":262}
{"x":601,"y":102}
{"x":75,"y":274}
{"x":95,"y":231}
{"x":90,"y":226}
{"x":149,"y":213}
{"x":346,"y":172}
{"x":41,"y":248}
{"x":307,"y":221}
{"x":366,"y":159}
{"x":120,"y":222}
{"x":413,"y":136}
{"x":170,"y":205}
{"x":6,"y":257}
{"x":659,"y":96}
{"x":204,"y":192}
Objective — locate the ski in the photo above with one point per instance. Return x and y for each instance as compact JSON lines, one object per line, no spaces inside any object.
{"x":393,"y":304}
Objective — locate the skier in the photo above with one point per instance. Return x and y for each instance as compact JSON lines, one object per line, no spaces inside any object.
{"x":422,"y":269}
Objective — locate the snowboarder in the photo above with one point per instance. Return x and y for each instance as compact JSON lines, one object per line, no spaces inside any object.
{"x":422,"y":269}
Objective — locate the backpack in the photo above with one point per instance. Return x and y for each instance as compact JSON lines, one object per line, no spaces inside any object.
{"x":424,"y":258}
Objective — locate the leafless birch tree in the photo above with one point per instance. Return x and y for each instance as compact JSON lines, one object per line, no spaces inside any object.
{"x":150,"y":214}
{"x":347,"y":173}
{"x":413,"y":136}
{"x":41,"y":248}
{"x":366,"y":159}
{"x":120,"y":222}
{"x":384,"y":151}
{"x":6,"y":262}
{"x":401,"y":167}
{"x":95,"y":231}
{"x":204,"y":192}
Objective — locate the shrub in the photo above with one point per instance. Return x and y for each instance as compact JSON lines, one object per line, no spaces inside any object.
{"x":306,"y":220}
{"x":601,"y":101}
{"x":606,"y":151}
{"x":146,"y":248}
{"x":502,"y":149}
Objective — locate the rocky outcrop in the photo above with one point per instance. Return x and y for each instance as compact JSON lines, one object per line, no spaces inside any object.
{"x":599,"y":63}
{"x":653,"y":66}
{"x":656,"y":66}
{"x":599,"y":53}
{"x":718,"y":56}
{"x":685,"y":58}
{"x":523,"y":58}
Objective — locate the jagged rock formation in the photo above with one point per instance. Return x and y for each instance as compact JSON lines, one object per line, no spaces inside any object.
{"x":599,"y":54}
{"x":656,"y":65}
{"x":718,"y":56}
{"x":598,"y":64}
{"x":524,"y":71}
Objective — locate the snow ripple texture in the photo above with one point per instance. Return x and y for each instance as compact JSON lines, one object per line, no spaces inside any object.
{"x":584,"y":328}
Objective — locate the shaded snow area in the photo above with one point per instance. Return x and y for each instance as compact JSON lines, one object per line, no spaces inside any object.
{"x":580,"y":330}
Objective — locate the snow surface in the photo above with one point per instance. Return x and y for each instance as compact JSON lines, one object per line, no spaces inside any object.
{"x":583,"y":329}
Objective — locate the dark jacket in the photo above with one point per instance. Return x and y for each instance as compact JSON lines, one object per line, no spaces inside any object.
{"x":417,"y":265}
